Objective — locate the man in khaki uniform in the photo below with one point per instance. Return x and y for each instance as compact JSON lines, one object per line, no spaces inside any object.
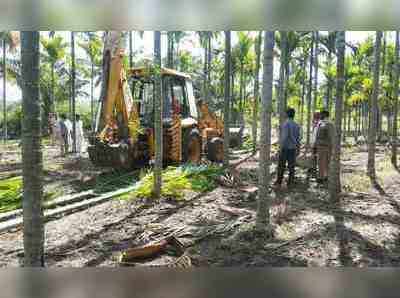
{"x":324,"y":144}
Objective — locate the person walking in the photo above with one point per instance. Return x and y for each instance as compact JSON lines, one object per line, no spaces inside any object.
{"x":53,"y":129}
{"x":63,"y":128}
{"x":289,"y":148}
{"x":315,"y":124}
{"x":324,"y":145}
{"x":79,"y":135}
{"x":68,"y":124}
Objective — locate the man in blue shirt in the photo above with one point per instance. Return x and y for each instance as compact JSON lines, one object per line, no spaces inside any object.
{"x":289,"y":148}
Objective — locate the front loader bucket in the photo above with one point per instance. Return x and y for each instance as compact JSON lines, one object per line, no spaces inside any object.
{"x":115,"y":156}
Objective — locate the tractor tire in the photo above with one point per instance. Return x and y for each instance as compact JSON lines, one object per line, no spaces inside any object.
{"x":215,"y":150}
{"x":192,"y":149}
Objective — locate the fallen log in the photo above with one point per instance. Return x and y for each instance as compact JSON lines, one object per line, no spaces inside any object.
{"x":143,"y":252}
{"x":151,"y":250}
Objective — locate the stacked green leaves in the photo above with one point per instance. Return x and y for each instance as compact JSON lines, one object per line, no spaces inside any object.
{"x":175,"y":180}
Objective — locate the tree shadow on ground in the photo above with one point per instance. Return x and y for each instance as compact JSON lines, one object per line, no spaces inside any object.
{"x":376,"y":185}
{"x":98,"y":244}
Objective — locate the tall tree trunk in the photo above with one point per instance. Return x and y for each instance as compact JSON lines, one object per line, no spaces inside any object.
{"x":303,"y":89}
{"x":241,"y":85}
{"x":205,"y":69}
{"x":32,"y":167}
{"x":316,"y":52}
{"x":170,"y":49}
{"x":227,"y":96}
{"x":158,"y":125}
{"x":309,"y":94}
{"x":232,"y":117}
{"x":374,"y":108}
{"x":349,"y":121}
{"x":344,"y":122}
{"x":92,"y":97}
{"x":396,"y":100}
{"x":334,"y":177}
{"x":52,"y":99}
{"x":281,"y":102}
{"x":130,"y":49}
{"x":256,"y":90}
{"x":5,"y":89}
{"x":379,"y":109}
{"x":209,"y":58}
{"x":328,"y":86}
{"x":73,"y":91}
{"x":263,"y":216}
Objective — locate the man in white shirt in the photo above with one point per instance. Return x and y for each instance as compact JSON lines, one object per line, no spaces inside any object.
{"x":79,"y":134}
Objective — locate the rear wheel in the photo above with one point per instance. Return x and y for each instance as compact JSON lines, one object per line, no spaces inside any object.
{"x":215,"y":150}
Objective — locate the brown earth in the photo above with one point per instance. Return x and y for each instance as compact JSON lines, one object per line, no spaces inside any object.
{"x":218,"y":227}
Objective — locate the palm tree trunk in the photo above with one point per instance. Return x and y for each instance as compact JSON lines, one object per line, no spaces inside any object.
{"x":334,"y":177}
{"x":328,"y":86}
{"x":52,"y":99}
{"x":374,"y":109}
{"x":227,"y":96}
{"x":396,"y":100}
{"x":158,"y":125}
{"x":205,"y":91}
{"x":281,"y":103}
{"x":263,"y":216}
{"x":130,"y":49}
{"x":92,"y":97}
{"x":314,"y":106}
{"x":349,"y":120}
{"x":241,"y":85}
{"x":209,"y":58}
{"x":309,"y":94}
{"x":233,"y":99}
{"x":73,"y":92}
{"x":32,"y":152}
{"x":4,"y":90}
{"x":303,"y":88}
{"x":170,"y":49}
{"x":256,"y":91}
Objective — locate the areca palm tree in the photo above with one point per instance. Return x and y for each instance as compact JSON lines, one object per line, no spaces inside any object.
{"x":396,"y":100}
{"x":73,"y":75}
{"x":257,"y":46}
{"x":329,"y":43}
{"x":309,"y":92}
{"x":174,"y":38}
{"x":263,"y":218}
{"x":205,"y":38}
{"x":10,"y":40}
{"x":281,"y":88}
{"x":55,"y":48}
{"x":334,"y":177}
{"x":227,"y":97}
{"x":93,"y":48}
{"x":244,"y":45}
{"x":374,"y":109}
{"x":158,"y":115}
{"x":316,"y":54}
{"x":31,"y":152}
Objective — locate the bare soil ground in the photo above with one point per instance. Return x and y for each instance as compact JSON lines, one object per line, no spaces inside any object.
{"x":362,"y":230}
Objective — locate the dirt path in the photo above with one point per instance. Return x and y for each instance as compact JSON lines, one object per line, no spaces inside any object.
{"x":363,"y":230}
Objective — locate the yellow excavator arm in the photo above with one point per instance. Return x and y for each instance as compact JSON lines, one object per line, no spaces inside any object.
{"x":119,"y":108}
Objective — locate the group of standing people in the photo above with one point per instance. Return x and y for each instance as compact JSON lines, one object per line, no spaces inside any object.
{"x":321,"y":144}
{"x":63,"y":134}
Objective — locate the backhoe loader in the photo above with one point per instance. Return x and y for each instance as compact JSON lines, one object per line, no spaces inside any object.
{"x":124,"y":130}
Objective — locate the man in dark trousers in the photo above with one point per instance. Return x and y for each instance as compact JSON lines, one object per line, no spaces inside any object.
{"x":289,"y":148}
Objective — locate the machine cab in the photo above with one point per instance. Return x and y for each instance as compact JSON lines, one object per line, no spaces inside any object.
{"x":177,"y":95}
